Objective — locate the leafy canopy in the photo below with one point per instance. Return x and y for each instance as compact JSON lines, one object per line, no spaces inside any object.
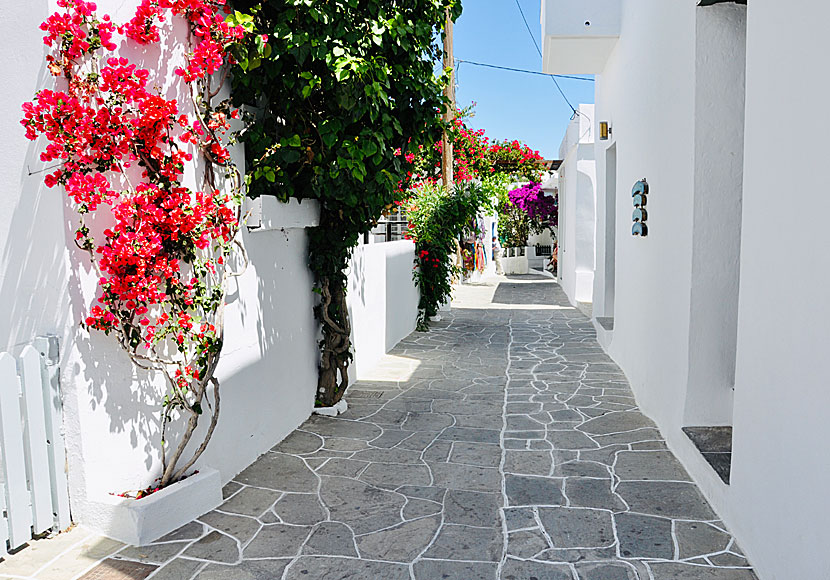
{"x":333,"y":89}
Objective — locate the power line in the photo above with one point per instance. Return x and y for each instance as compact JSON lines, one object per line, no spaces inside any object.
{"x":521,"y":70}
{"x":539,"y":50}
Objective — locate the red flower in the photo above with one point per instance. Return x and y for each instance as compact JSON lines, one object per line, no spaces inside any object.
{"x":99,"y":125}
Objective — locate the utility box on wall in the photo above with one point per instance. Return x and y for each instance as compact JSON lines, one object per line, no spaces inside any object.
{"x":579,"y":35}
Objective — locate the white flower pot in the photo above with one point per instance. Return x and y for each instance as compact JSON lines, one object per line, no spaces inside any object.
{"x":139,"y":522}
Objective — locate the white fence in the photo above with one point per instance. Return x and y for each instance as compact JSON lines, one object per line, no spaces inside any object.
{"x":33,"y":489}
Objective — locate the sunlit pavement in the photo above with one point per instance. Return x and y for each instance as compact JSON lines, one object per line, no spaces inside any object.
{"x":502,"y":444}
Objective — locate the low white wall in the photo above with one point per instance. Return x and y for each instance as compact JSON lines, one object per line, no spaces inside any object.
{"x":515,"y":264}
{"x":383,"y":300}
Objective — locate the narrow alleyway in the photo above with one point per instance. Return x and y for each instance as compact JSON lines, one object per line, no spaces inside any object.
{"x":502,"y":444}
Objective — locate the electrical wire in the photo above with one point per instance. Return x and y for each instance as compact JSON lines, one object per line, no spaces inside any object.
{"x":521,"y":70}
{"x":539,"y":50}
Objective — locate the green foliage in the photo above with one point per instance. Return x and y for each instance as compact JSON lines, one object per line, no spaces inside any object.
{"x":332,"y":90}
{"x":514,"y":226}
{"x":437,"y":218}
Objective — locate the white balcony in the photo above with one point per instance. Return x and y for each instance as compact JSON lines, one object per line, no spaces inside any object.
{"x":579,"y":35}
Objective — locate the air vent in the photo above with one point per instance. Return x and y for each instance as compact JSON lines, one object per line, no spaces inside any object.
{"x":365,"y":394}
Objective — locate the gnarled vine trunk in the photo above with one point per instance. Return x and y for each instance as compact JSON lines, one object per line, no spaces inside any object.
{"x":335,"y":351}
{"x":330,"y":247}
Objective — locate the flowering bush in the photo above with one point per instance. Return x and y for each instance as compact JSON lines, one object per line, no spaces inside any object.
{"x":475,"y":157}
{"x":481,"y":173}
{"x":514,"y":226}
{"x":516,"y":159}
{"x":121,"y":148}
{"x":437,"y":217}
{"x":542,"y":210}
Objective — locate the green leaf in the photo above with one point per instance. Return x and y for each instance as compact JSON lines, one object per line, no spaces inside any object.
{"x":329,"y":139}
{"x":369,"y":148}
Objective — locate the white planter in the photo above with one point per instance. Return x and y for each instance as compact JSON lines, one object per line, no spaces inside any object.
{"x":341,"y":407}
{"x":140,"y":521}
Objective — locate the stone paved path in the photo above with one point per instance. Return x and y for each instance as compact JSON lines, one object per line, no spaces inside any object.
{"x":503,"y":444}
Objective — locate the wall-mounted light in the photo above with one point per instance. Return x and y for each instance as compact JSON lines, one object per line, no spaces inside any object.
{"x":604,"y":130}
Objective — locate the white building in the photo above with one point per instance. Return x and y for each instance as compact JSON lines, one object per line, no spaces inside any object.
{"x":717,"y":316}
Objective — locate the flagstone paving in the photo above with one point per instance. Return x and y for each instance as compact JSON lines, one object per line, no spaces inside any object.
{"x":503,"y":444}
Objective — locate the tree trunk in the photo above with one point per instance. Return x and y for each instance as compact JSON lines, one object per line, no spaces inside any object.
{"x":336,"y":345}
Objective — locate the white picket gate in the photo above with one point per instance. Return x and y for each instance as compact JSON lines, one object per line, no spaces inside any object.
{"x":33,"y":490}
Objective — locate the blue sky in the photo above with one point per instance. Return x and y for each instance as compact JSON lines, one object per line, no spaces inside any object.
{"x":512,"y":105}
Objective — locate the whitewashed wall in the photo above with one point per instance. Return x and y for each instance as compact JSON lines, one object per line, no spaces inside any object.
{"x":676,"y":112}
{"x":729,"y":288}
{"x":718,"y":191}
{"x":778,"y":498}
{"x":675,"y":109}
{"x":268,"y":368}
{"x":577,"y":208}
{"x":383,"y":300}
{"x":647,"y":95}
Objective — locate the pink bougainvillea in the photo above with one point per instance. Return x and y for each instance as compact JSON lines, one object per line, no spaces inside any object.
{"x":121,"y":148}
{"x":542,"y":209}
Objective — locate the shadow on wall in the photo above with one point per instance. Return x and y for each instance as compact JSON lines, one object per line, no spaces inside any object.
{"x":33,"y":271}
{"x":268,"y":370}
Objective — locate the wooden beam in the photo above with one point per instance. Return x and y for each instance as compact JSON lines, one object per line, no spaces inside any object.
{"x":449,"y":92}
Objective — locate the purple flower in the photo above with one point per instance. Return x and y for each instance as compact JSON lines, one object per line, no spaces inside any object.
{"x":539,"y":207}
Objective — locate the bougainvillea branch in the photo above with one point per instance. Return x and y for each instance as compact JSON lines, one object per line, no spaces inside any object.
{"x":542,"y":210}
{"x":475,"y":156}
{"x":164,"y":262}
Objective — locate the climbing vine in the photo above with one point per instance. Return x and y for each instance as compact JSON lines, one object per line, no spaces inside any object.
{"x":437,"y":216}
{"x":121,"y":149}
{"x":341,"y":87}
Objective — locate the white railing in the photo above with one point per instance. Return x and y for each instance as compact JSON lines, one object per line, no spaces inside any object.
{"x":33,"y":490}
{"x":514,"y":260}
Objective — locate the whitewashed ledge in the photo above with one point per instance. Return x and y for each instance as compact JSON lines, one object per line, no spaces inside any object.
{"x":267,"y":213}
